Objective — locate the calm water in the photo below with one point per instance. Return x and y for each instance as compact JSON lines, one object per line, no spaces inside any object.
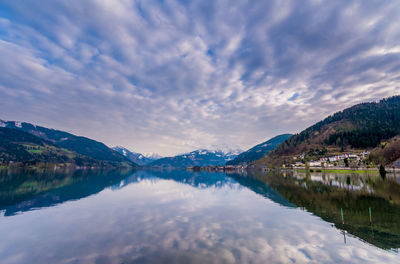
{"x":187,"y":217}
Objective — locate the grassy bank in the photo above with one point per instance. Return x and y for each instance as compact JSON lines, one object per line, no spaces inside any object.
{"x":342,"y":170}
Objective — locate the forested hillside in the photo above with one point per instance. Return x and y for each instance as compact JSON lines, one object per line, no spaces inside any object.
{"x":363,"y":126}
{"x":18,"y":147}
{"x":81,"y":145}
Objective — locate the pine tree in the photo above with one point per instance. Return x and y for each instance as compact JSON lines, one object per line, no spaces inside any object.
{"x":382,"y":171}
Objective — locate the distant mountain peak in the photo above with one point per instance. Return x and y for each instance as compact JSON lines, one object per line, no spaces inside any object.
{"x":138,"y":158}
{"x":152,"y":155}
{"x":199,"y":157}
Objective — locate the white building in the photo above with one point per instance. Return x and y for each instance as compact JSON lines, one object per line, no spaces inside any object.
{"x":315,"y":163}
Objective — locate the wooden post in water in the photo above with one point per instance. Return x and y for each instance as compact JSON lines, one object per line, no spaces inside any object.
{"x":344,"y":231}
{"x":370,"y":216}
{"x":341,"y":212}
{"x":344,"y":236}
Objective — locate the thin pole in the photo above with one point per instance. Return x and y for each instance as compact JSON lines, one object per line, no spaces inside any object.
{"x":370,"y":216}
{"x":341,"y":212}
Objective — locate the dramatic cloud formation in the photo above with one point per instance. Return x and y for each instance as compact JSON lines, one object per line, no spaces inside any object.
{"x":172,"y":76}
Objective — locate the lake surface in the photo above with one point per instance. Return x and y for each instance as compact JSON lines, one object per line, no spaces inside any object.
{"x":177,"y":216}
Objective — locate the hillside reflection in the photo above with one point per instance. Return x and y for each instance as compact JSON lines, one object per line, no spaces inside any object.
{"x":26,"y":189}
{"x":324,"y":194}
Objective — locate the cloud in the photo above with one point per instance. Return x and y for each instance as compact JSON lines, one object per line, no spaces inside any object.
{"x":172,"y":76}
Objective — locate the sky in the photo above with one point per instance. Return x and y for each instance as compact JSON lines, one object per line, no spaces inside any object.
{"x":173,"y":76}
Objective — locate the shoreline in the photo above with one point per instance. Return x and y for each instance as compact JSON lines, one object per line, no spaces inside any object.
{"x":61,"y":166}
{"x":340,"y":169}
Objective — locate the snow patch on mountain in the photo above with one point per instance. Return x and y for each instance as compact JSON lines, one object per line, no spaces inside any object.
{"x":152,"y":155}
{"x":18,"y":124}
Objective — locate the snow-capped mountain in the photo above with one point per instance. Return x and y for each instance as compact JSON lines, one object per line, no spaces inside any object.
{"x":138,"y":158}
{"x":230,"y":154}
{"x":201,"y":157}
{"x":152,"y":155}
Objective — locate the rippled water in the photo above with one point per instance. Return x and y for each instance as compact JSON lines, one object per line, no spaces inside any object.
{"x":196,"y":217}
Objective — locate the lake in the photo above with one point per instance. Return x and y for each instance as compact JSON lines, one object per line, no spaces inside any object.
{"x":178,"y":216}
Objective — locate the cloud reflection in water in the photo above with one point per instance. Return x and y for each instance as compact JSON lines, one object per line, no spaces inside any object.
{"x":154,"y":220}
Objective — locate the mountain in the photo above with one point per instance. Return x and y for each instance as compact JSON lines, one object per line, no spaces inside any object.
{"x":360,"y":127}
{"x":22,"y":147}
{"x":200,"y":158}
{"x":257,"y":152}
{"x":41,"y":142}
{"x":14,"y":145}
{"x":152,"y":155}
{"x":138,"y":158}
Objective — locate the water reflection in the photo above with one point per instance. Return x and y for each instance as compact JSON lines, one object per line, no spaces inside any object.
{"x":26,"y":189}
{"x":325,"y":194}
{"x":171,"y":217}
